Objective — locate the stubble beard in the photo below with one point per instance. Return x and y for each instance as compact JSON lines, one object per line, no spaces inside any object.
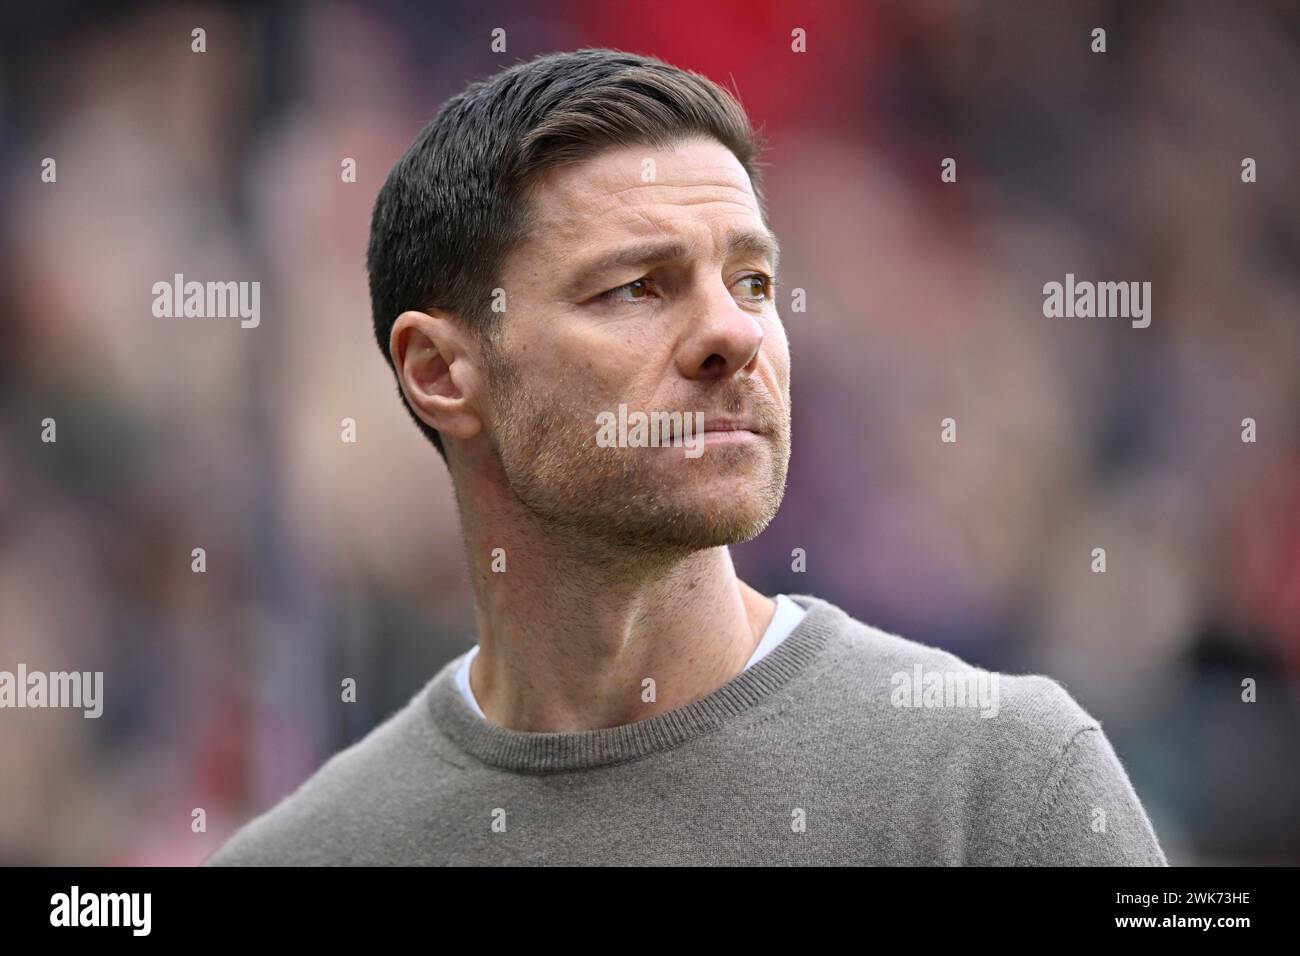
{"x":643,"y":503}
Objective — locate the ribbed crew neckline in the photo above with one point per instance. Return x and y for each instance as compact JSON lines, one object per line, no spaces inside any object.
{"x":554,"y":752}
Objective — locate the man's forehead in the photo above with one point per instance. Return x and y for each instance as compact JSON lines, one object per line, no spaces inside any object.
{"x":620,"y":185}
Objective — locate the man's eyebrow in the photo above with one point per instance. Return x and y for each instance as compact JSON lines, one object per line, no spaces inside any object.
{"x":757,"y":242}
{"x":645,"y":254}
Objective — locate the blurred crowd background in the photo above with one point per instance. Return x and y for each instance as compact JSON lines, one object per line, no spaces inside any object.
{"x":328,"y":560}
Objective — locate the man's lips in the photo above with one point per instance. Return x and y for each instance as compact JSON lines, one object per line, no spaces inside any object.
{"x":694,"y":426}
{"x":730,"y":425}
{"x":727,"y":430}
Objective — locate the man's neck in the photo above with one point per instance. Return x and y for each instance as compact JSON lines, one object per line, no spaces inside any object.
{"x":571,"y":641}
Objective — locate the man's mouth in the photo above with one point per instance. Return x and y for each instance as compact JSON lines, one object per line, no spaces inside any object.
{"x":730,"y":425}
{"x":725,"y":430}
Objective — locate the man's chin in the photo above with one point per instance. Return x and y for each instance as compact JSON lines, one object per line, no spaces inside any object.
{"x":655,"y":501}
{"x":688,"y":529}
{"x":720,"y":503}
{"x":718,"y":531}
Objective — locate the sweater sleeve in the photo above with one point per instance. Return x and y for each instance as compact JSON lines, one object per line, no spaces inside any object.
{"x":1087,"y":812}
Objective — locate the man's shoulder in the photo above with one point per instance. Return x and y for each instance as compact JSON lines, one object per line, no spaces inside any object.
{"x":1015,"y":753}
{"x":929,"y":704}
{"x":332,"y":816}
{"x":885,"y":671}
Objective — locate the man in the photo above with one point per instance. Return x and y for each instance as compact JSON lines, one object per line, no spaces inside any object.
{"x":581,"y":241}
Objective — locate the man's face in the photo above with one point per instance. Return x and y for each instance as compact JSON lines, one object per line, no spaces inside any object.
{"x":644,"y":282}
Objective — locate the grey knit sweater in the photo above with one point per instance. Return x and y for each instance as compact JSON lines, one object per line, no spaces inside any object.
{"x":845,"y":745}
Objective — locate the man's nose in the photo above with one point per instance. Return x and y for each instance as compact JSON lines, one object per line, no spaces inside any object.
{"x":724,"y":338}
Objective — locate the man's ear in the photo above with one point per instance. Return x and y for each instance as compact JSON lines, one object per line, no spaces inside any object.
{"x":435,"y":366}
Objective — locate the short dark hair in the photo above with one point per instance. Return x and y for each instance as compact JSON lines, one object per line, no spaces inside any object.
{"x":453,"y":206}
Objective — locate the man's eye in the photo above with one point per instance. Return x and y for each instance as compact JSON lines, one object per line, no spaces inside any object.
{"x":634,"y":291}
{"x":758,"y":286}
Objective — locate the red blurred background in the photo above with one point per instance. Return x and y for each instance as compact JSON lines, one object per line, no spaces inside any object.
{"x":329,"y":560}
